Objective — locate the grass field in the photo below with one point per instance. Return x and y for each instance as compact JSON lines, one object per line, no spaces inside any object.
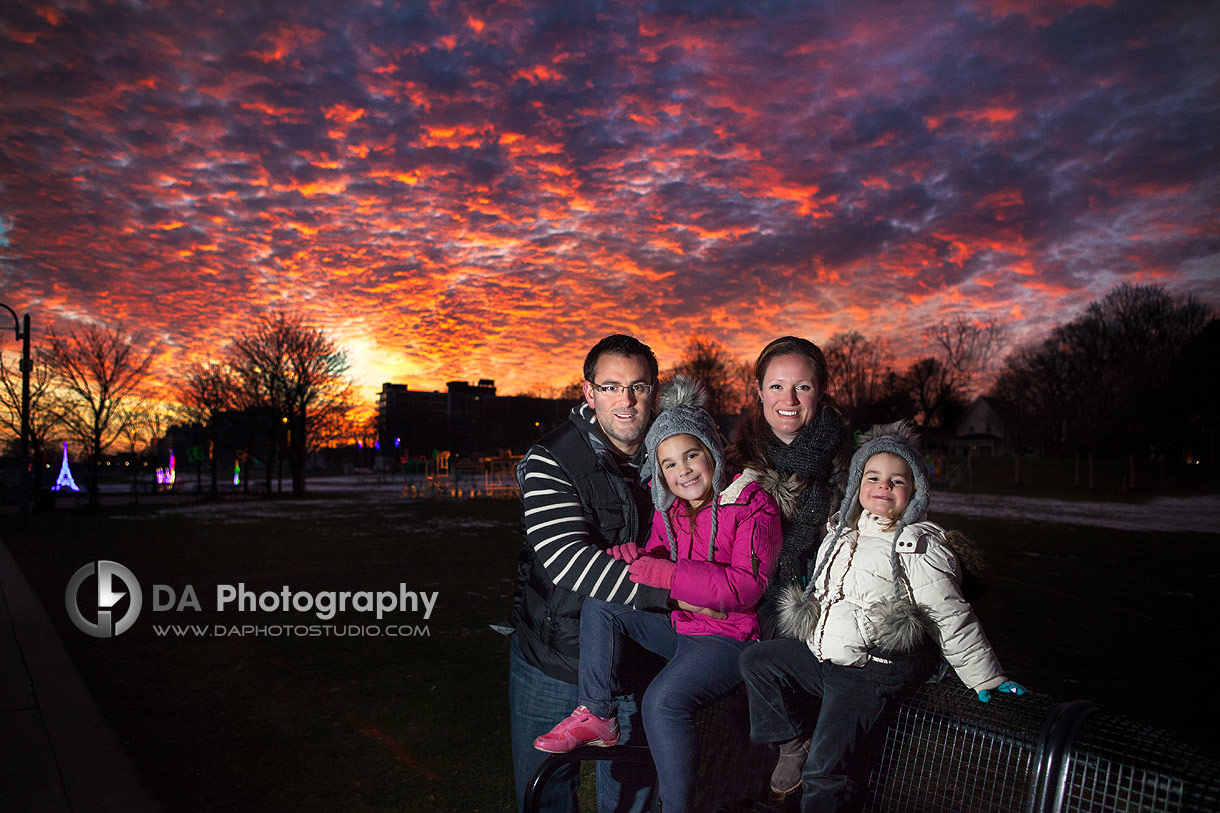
{"x":420,"y":722}
{"x":1069,"y":478}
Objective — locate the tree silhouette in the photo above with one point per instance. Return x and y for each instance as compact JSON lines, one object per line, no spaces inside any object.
{"x":706,"y":360}
{"x":968,"y":350}
{"x":1195,"y":403}
{"x":146,"y":427}
{"x":570,"y":392}
{"x":43,"y":415}
{"x":295,"y":375}
{"x":1037,"y":385}
{"x":858,"y":368}
{"x":204,"y":391}
{"x":97,"y":373}
{"x":1109,"y":380}
{"x":934,"y":388}
{"x":931,"y":385}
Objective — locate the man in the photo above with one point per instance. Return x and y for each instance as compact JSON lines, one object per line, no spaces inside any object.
{"x":580,"y":496}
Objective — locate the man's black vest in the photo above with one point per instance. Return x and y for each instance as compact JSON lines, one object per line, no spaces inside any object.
{"x":547,"y":617}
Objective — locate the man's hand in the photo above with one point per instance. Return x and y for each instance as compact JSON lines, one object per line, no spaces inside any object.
{"x":695,"y":608}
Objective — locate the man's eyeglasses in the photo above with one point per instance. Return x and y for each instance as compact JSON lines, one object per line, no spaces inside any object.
{"x":638,"y":390}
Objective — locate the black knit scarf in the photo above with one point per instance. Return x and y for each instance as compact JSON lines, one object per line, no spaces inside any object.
{"x":811,"y":457}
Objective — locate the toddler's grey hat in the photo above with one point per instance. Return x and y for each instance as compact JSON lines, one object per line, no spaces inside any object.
{"x":895,"y":438}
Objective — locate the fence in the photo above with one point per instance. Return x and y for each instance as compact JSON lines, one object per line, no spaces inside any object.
{"x":483,"y":477}
{"x":945,"y":752}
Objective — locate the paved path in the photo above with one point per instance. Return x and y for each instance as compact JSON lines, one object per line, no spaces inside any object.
{"x":1194,"y":515}
{"x":57,"y":752}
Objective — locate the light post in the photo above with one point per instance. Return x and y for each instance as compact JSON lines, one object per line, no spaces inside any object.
{"x":22,"y":329}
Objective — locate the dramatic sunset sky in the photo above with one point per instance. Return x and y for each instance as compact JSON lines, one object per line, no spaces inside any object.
{"x":460,"y":190}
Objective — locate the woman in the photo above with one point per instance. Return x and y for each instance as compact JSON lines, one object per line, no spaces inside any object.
{"x":791,"y":437}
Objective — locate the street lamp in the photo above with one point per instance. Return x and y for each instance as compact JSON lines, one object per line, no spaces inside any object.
{"x":22,"y":329}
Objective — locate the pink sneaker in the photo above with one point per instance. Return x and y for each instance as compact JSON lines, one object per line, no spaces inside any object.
{"x":581,"y":727}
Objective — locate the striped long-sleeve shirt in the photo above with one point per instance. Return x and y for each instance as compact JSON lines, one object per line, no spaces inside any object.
{"x":557,"y":529}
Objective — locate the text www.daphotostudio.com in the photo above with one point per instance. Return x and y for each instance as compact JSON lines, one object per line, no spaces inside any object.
{"x":105,"y":613}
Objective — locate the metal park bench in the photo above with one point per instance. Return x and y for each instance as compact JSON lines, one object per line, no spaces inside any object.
{"x":945,"y":752}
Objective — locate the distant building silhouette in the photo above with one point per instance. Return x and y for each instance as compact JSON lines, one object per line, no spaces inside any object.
{"x":468,"y":420}
{"x":983,"y":429}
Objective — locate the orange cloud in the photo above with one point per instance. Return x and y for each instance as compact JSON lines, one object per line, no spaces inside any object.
{"x":278,"y":44}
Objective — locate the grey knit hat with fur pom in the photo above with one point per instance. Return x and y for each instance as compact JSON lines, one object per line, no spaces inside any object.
{"x":897,"y":439}
{"x":682,"y":413}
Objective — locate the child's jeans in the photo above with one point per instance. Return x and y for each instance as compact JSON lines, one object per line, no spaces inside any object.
{"x":785,"y":682}
{"x":700,"y":669}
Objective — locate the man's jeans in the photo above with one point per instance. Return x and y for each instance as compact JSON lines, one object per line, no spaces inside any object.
{"x":536,"y":703}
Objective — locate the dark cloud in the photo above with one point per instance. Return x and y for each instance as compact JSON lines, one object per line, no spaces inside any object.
{"x":474,"y":185}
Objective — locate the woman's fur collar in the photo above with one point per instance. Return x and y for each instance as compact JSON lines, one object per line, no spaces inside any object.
{"x":786,"y":490}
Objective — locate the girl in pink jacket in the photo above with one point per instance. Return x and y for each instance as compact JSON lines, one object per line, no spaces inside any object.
{"x":713,"y":548}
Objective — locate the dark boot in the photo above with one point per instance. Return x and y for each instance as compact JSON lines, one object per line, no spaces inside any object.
{"x":787,"y":774}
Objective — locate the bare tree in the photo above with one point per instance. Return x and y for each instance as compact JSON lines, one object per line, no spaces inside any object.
{"x":706,"y":360}
{"x":931,"y":387}
{"x":1121,"y":353}
{"x":320,"y":397}
{"x":43,"y":416}
{"x":296,"y":376}
{"x":938,"y":386}
{"x":330,"y":421}
{"x":858,"y":368}
{"x":744,"y":383}
{"x":1037,"y":384}
{"x":969,"y":349}
{"x":1112,"y":380}
{"x":142,"y":431}
{"x":205,"y":391}
{"x":571,"y":392}
{"x":257,"y":361}
{"x":97,"y":373}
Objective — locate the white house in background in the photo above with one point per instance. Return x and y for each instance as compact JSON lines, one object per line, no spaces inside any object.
{"x":981,"y":429}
